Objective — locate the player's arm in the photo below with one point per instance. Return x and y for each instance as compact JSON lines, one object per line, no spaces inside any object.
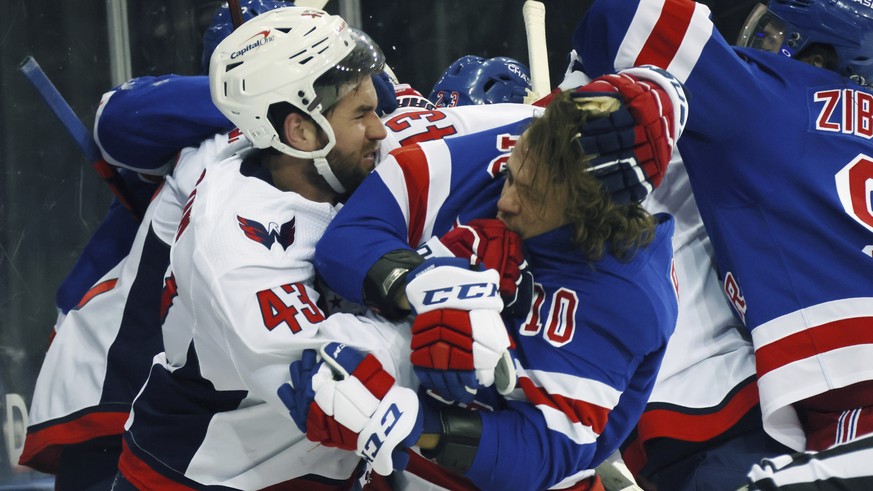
{"x":614,"y":35}
{"x":369,"y":234}
{"x":569,"y":415}
{"x":143,"y":123}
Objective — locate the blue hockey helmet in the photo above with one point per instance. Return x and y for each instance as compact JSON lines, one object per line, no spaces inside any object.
{"x":222,"y":24}
{"x":475,"y":80}
{"x":790,"y":26}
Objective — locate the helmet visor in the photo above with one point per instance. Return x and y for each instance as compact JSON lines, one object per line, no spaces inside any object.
{"x":363,"y":60}
{"x":763,"y":30}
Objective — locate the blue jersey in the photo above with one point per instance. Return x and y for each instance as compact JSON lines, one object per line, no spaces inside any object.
{"x":140,"y":127}
{"x":780,"y":160}
{"x":592,"y":342}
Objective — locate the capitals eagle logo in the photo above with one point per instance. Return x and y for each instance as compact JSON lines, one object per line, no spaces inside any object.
{"x":266,"y":236}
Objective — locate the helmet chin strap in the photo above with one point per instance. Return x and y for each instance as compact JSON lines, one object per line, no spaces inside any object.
{"x":325,"y":171}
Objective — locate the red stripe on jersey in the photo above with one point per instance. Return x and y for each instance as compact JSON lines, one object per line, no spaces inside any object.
{"x":95,"y":290}
{"x":142,"y":476}
{"x":664,"y":423}
{"x":667,"y":35}
{"x":42,"y":448}
{"x":576,"y":411}
{"x":413,"y":163}
{"x":812,"y":341}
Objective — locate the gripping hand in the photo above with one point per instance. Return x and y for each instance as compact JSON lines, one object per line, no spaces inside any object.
{"x":459,"y":342}
{"x":346,"y":399}
{"x":635,"y":119}
{"x":488,"y":243}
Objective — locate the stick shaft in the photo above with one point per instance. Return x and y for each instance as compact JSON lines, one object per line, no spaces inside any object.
{"x":534,"y":13}
{"x":76,"y":129}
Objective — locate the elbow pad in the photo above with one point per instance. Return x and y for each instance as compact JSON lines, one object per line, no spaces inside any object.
{"x":386,"y":280}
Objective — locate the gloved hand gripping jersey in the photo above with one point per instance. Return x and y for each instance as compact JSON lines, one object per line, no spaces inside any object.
{"x":487,"y":243}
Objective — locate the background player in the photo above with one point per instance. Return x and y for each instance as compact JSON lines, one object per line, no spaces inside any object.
{"x":773,"y":98}
{"x":474,"y":80}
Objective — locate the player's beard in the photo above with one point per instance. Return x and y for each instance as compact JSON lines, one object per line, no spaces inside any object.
{"x":348,"y":168}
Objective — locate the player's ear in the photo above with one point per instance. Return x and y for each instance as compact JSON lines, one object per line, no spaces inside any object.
{"x":300,"y":132}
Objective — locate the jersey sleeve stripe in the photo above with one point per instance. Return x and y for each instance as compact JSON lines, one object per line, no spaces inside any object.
{"x":672,"y":41}
{"x":816,"y":315}
{"x":813,"y":341}
{"x":95,"y":290}
{"x":428,"y":180}
{"x":671,"y":26}
{"x":574,"y":414}
{"x":395,"y":182}
{"x":595,"y":391}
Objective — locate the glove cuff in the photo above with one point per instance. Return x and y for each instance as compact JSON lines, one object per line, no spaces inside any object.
{"x":460,"y":433}
{"x":672,"y":87}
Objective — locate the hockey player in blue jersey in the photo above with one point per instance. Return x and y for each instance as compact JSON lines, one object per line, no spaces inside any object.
{"x":779,"y":164}
{"x":586,"y":355}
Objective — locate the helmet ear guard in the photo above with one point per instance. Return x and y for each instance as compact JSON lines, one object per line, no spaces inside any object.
{"x":301,"y":56}
{"x":789,"y":27}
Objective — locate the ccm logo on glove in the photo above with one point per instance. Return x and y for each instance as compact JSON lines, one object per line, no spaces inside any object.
{"x":374,"y":443}
{"x":467,"y":291}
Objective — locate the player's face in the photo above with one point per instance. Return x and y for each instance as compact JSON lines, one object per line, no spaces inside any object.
{"x":358,"y":131}
{"x":763,"y":30}
{"x":527,"y":206}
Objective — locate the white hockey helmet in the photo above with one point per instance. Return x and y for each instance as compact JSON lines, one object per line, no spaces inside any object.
{"x":305,"y":57}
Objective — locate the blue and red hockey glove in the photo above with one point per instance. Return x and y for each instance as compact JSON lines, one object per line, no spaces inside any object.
{"x":642,"y":113}
{"x":488,"y":244}
{"x":343,"y":398}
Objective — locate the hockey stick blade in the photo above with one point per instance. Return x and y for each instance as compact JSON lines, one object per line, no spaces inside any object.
{"x":76,"y":129}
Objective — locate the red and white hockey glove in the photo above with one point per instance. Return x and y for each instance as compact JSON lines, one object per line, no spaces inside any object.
{"x":345,"y":399}
{"x":459,"y":341}
{"x":643,"y":111}
{"x":488,"y":243}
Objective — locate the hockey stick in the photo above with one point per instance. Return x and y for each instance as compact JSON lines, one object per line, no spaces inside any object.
{"x":74,"y":126}
{"x":236,"y":17}
{"x":534,"y":13}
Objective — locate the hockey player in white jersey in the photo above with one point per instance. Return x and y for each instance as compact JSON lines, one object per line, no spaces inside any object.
{"x":240,"y":293}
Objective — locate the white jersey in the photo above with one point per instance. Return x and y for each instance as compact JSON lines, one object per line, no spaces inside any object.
{"x":101,"y":354}
{"x":243,"y":307}
{"x":706,"y":383}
